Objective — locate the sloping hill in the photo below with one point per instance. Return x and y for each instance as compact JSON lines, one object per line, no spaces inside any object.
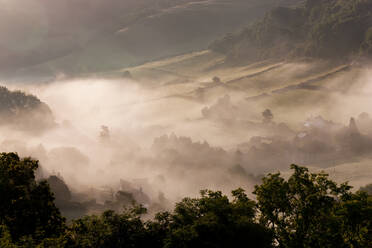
{"x":335,"y":29}
{"x":24,"y":112}
{"x":77,"y":36}
{"x":289,"y":87}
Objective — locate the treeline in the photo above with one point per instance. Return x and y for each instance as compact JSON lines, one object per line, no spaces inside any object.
{"x":24,"y":111}
{"x":331,"y":29}
{"x":305,"y":210}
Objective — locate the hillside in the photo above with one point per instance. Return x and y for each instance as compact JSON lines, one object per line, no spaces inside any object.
{"x":73,"y":37}
{"x":204,"y":97}
{"x":336,"y":29}
{"x":25,"y":112}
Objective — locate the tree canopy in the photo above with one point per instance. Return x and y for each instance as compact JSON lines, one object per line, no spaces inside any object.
{"x":306,"y":210}
{"x":310,"y":210}
{"x":27,"y":210}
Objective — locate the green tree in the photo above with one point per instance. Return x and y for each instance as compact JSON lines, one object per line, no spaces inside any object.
{"x":5,"y":238}
{"x":309,"y":210}
{"x":27,"y":210}
{"x":214,"y":221}
{"x":110,"y":230}
{"x":209,"y":221}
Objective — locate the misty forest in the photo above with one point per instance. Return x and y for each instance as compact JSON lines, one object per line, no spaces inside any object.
{"x":186,"y":123}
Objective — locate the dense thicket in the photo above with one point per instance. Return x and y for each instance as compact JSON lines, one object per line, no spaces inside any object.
{"x":332,"y":29}
{"x":307,"y":210}
{"x":27,"y":210}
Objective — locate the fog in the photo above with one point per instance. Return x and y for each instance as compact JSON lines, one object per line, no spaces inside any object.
{"x":118,"y":138}
{"x":112,"y":131}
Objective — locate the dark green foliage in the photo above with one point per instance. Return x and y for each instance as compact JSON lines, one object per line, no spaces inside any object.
{"x":306,"y":210}
{"x":335,"y":29}
{"x":338,"y":28}
{"x":5,"y":238}
{"x":110,"y":230}
{"x":209,"y":221}
{"x":309,"y":210}
{"x":214,"y":221}
{"x":26,"y":206}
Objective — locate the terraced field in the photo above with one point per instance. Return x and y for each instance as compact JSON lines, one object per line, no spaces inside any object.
{"x":290,"y":88}
{"x":293,"y":90}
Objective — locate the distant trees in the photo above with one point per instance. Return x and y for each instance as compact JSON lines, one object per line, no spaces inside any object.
{"x":267,"y":115}
{"x":216,"y":79}
{"x":223,"y":110}
{"x":306,"y":210}
{"x":367,"y":43}
{"x":104,"y":134}
{"x":16,"y":99}
{"x":333,"y":29}
{"x":24,"y":111}
{"x":367,"y":189}
{"x":63,"y":199}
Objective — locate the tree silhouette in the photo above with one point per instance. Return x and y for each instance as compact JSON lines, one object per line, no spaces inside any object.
{"x":26,"y":206}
